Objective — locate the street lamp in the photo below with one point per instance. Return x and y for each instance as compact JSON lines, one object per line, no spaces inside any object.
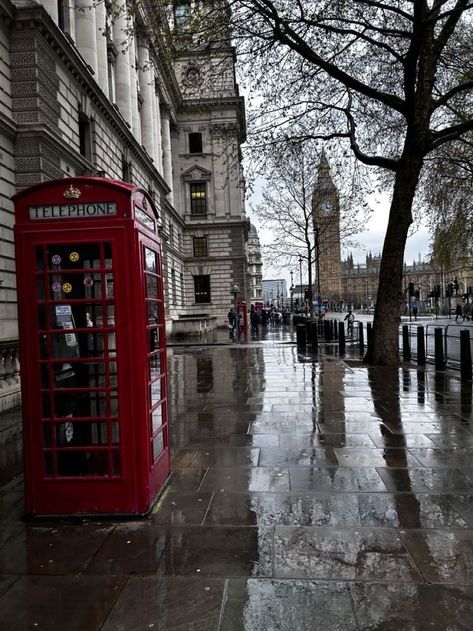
{"x":300,"y":275}
{"x":235,"y":291}
{"x":292,"y":291}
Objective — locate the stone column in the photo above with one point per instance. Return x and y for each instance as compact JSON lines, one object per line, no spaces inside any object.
{"x":86,"y":32}
{"x":147,"y":94}
{"x":158,"y":151}
{"x":102,"y":66}
{"x":122,"y":67}
{"x":135,"y":113}
{"x":167,"y":153}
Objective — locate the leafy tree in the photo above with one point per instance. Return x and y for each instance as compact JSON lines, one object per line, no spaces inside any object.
{"x":447,"y":189}
{"x":392,"y":79}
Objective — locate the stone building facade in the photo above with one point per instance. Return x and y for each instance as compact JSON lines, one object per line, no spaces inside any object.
{"x":255,"y":266}
{"x":93,"y":89}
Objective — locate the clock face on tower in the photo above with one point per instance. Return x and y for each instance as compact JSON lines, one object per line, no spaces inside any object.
{"x":326,"y":207}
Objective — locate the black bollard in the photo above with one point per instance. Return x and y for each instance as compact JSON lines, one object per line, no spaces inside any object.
{"x":335,"y":329}
{"x":341,"y":337}
{"x":308,"y":327}
{"x":465,"y":355}
{"x":313,"y":335}
{"x":439,"y":354}
{"x":406,"y":343}
{"x":301,"y":334}
{"x":327,"y":332}
{"x":420,"y":345}
{"x":369,"y":336}
{"x":360,"y":336}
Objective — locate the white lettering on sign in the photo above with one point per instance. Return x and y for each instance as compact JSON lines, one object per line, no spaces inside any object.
{"x":144,"y":218}
{"x":67,"y":211}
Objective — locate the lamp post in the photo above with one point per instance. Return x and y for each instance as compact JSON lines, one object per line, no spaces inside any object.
{"x":300,"y":276}
{"x":292,"y":292}
{"x":235,"y":290}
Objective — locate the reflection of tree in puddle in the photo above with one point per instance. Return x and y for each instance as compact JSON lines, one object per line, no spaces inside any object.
{"x":384,"y":384}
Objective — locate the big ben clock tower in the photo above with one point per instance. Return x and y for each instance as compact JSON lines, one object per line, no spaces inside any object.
{"x":326,"y":217}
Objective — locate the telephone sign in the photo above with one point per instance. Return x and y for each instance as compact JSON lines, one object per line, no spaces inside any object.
{"x":92,"y":348}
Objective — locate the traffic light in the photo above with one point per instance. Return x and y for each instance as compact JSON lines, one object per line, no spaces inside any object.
{"x":411,"y":289}
{"x":306,"y":294}
{"x":437,"y":291}
{"x":417,"y":294}
{"x":449,"y":290}
{"x":456,"y":285}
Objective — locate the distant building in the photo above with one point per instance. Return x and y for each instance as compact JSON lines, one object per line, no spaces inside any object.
{"x":254,"y":266}
{"x":275,"y":292}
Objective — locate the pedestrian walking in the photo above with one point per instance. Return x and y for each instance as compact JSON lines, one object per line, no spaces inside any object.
{"x":254,"y":320}
{"x":231,"y":321}
{"x":350,"y":318}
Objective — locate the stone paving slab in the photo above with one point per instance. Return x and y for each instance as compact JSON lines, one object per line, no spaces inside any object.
{"x":309,"y":492}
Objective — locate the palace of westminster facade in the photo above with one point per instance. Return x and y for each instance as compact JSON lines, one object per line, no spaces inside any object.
{"x":343,"y":281}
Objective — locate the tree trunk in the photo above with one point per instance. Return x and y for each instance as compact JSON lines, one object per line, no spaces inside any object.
{"x":384,"y":349}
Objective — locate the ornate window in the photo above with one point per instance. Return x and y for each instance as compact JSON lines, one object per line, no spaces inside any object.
{"x":198,"y":195}
{"x":182,"y":14}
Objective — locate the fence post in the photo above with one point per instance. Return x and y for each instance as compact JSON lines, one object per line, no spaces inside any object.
{"x":465,"y":355}
{"x":341,"y":337}
{"x":420,"y":345}
{"x":439,"y":354}
{"x":301,"y":334}
{"x":406,"y":346}
{"x":360,"y":336}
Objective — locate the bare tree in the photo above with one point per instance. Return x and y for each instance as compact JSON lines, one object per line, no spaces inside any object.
{"x":286,"y":209}
{"x":392,"y":79}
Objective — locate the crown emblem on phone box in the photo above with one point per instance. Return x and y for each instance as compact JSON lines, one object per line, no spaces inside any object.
{"x":72,"y":193}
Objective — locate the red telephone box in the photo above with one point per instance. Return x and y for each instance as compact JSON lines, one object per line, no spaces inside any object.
{"x":241,"y":306}
{"x":92,"y":348}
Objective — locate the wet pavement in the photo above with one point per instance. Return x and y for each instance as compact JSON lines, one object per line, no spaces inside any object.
{"x":309,"y":493}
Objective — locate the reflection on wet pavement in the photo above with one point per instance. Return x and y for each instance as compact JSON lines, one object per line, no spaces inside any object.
{"x":308,"y":492}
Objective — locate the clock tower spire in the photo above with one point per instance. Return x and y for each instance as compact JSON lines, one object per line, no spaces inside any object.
{"x":326,"y":218}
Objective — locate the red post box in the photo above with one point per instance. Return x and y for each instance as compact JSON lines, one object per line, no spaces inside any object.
{"x":92,"y":348}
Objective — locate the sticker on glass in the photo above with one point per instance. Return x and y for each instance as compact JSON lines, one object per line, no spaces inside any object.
{"x":56,"y":259}
{"x":74,"y":257}
{"x":88,"y":281}
{"x":67,"y":288}
{"x":69,"y":431}
{"x":56,"y":287}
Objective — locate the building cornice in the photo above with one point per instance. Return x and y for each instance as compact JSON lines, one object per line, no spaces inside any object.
{"x":8,"y":127}
{"x":35,"y":19}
